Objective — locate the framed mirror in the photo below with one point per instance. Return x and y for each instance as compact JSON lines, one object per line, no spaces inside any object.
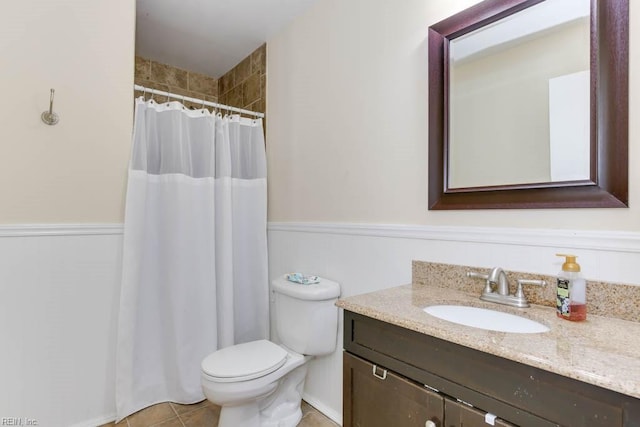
{"x":528,"y":105}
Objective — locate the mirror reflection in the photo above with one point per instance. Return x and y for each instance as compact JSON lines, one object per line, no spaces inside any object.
{"x":519,"y":97}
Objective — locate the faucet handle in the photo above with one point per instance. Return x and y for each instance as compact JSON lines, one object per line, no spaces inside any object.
{"x":520,"y":293}
{"x":485,"y":277}
{"x":475,"y":275}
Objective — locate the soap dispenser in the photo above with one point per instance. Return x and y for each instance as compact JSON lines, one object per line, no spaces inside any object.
{"x":571,"y":301}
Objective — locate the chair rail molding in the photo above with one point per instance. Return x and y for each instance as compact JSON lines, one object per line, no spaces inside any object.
{"x":613,"y":241}
{"x":35,"y":230}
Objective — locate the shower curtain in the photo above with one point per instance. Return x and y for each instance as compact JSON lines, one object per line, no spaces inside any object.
{"x":194,"y":273}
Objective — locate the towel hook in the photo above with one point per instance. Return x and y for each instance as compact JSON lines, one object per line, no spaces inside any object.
{"x":49,"y":117}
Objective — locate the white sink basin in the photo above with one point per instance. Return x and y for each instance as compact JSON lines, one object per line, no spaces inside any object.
{"x":486,"y":319}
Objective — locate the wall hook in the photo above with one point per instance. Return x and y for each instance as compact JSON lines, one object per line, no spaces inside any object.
{"x":49,"y":117}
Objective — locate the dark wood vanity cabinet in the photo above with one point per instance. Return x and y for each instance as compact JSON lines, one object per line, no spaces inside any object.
{"x":386,"y":368}
{"x":380,"y":398}
{"x":377,"y":397}
{"x":459,"y":414}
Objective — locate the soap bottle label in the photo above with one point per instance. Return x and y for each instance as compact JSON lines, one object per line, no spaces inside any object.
{"x":563,"y":301}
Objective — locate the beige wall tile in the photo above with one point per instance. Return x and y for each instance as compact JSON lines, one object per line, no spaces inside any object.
{"x":242,"y":70}
{"x":251,"y":89}
{"x":203,"y":84}
{"x":140,"y":81}
{"x":143,"y":68}
{"x":169,"y":75}
{"x":243,"y":86}
{"x":226,"y":82}
{"x":234,"y":97}
{"x":258,"y":60}
{"x":159,"y":98}
{"x":258,"y":105}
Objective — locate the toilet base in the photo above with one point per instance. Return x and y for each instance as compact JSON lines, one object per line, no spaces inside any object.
{"x":247,"y":415}
{"x":278,"y":409}
{"x":282,"y":408}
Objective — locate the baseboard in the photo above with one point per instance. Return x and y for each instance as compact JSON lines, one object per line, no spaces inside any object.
{"x":326,"y":410}
{"x":96,"y":422}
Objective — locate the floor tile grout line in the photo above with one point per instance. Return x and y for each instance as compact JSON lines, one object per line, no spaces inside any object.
{"x":177,"y":414}
{"x":188,"y":411}
{"x":174,"y":409}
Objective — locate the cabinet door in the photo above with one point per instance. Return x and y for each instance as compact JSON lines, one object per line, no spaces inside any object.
{"x":458,"y":414}
{"x":386,"y":399}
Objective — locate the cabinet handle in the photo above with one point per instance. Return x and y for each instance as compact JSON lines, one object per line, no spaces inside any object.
{"x":384,"y":373}
{"x":430,"y":423}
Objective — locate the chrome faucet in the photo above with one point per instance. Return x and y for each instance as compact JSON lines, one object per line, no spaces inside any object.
{"x":502,"y":295}
{"x":499,"y":278}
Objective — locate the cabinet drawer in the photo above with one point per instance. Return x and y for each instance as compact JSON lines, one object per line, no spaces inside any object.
{"x":386,"y":399}
{"x":522,"y":394}
{"x":460,"y":415}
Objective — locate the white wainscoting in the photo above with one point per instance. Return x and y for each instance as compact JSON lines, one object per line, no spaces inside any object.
{"x":369,"y":257}
{"x":59,"y":295}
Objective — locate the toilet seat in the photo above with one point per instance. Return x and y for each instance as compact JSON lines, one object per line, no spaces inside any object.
{"x":244,"y":362}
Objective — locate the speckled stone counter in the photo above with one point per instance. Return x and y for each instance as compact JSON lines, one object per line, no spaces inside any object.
{"x":601,"y":351}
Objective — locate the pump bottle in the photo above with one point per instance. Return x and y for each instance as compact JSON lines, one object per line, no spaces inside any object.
{"x":571,"y":302}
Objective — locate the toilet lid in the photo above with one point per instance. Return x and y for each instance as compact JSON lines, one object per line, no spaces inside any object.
{"x":244,"y":362}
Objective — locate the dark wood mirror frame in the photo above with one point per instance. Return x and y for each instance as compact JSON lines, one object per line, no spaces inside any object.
{"x":608,"y":185}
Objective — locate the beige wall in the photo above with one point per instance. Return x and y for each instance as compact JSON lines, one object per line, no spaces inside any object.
{"x":348,"y":128}
{"x":155,"y":75}
{"x":74,"y":171}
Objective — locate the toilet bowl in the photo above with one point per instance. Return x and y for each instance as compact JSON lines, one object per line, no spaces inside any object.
{"x":260,"y":383}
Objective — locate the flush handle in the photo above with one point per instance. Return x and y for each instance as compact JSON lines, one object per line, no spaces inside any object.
{"x":375,"y":373}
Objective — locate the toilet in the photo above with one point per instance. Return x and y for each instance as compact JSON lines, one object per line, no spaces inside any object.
{"x":260,"y":383}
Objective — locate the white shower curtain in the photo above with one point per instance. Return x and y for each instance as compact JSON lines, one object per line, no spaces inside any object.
{"x":195,"y":252}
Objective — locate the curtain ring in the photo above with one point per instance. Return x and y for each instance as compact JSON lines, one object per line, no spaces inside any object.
{"x":167,"y":96}
{"x":144,"y":93}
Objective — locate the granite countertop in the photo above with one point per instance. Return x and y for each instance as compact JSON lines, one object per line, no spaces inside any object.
{"x":601,"y":351}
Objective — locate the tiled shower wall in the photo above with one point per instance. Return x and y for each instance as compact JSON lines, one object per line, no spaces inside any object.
{"x":165,"y":77}
{"x":245,"y":84}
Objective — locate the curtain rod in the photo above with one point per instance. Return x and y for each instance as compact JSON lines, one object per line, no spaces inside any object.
{"x":198,"y":101}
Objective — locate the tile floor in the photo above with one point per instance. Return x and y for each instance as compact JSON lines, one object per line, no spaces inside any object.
{"x":203,"y":414}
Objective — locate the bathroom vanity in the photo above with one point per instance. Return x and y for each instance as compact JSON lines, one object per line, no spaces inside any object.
{"x":403,"y":367}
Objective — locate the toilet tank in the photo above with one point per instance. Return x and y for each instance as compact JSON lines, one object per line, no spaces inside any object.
{"x":306,"y":317}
